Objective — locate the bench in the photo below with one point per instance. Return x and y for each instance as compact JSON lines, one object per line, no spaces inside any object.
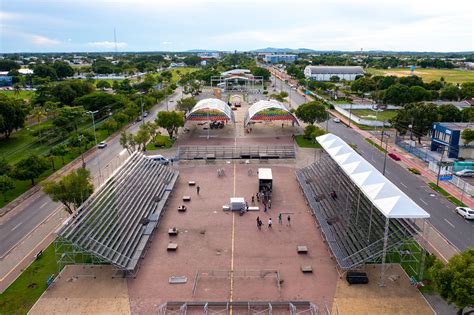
{"x":302,"y":249}
{"x":191,"y":183}
{"x":172,"y":247}
{"x":186,"y":198}
{"x":182,"y":208}
{"x":173,"y":231}
{"x":253,"y":209}
{"x":226,"y":207}
{"x":307,"y":269}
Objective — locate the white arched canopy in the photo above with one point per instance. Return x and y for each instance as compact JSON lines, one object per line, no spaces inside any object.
{"x":268,"y":110}
{"x":211,"y":109}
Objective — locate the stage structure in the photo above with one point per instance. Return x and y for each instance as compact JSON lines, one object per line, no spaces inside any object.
{"x":211,"y":109}
{"x":116,"y":223}
{"x":238,"y":80}
{"x":362,"y":214}
{"x":269,"y":111}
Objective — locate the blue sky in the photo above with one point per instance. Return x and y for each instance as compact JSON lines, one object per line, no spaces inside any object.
{"x":177,"y":25}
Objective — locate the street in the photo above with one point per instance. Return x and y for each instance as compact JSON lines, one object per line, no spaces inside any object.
{"x":17,"y":224}
{"x":454,"y":228}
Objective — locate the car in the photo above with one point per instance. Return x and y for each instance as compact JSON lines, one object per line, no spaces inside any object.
{"x":394,"y":156}
{"x":145,"y":114}
{"x":336,"y":120}
{"x":159,"y":158}
{"x":102,"y":145}
{"x":466,"y":213}
{"x":465,"y":173}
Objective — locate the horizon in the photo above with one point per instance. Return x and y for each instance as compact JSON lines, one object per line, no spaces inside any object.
{"x":52,"y":26}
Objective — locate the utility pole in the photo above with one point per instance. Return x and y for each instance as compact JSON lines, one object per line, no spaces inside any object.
{"x":141,"y":103}
{"x":327,"y":121}
{"x":439,"y":167}
{"x":82,"y":151}
{"x":383,"y":129}
{"x":92,"y":113}
{"x":385,"y":155}
{"x":350,"y":115}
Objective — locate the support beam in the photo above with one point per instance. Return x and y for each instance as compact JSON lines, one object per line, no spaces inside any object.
{"x":384,"y":253}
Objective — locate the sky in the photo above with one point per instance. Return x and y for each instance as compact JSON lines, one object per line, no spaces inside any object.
{"x":179,"y":25}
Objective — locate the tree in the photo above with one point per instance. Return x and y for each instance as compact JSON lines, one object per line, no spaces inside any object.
{"x":71,"y":190}
{"x":467,"y":90}
{"x":363,"y":85}
{"x":29,"y":168}
{"x":418,"y":94}
{"x":261,"y":72}
{"x":110,"y":125}
{"x":449,"y":113}
{"x":455,"y":281}
{"x":192,"y":60}
{"x":4,"y":166}
{"x":467,"y":135}
{"x":386,"y":82}
{"x":45,"y":71}
{"x":102,"y":84}
{"x":12,"y":115}
{"x":334,"y":78}
{"x":6,"y":184}
{"x":170,"y":121}
{"x":63,"y":69}
{"x":142,"y":137}
{"x":311,"y":112}
{"x":72,"y":114}
{"x":450,"y":93}
{"x":397,"y":94}
{"x":60,"y":150}
{"x":186,"y":104}
{"x":38,"y":113}
{"x":127,"y":141}
{"x":420,"y":116}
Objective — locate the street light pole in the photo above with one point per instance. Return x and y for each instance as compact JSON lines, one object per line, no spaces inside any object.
{"x":141,"y":103}
{"x":92,"y":113}
{"x":350,"y":115}
{"x":82,"y":151}
{"x":385,"y":155}
{"x":439,"y":167}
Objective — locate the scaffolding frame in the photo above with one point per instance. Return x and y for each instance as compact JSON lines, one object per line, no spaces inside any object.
{"x":250,"y":84}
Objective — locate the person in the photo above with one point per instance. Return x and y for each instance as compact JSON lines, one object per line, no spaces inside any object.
{"x":246,"y":206}
{"x":258,"y":221}
{"x":258,"y":196}
{"x":264,"y":207}
{"x":259,"y":224}
{"x":269,"y":223}
{"x":279,"y":218}
{"x":269,"y":203}
{"x":253,"y":199}
{"x":333,"y":195}
{"x":289,"y":220}
{"x":198,"y":189}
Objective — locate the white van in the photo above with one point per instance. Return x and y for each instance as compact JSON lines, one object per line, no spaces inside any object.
{"x":159,"y":158}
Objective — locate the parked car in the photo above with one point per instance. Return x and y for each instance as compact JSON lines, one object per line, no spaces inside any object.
{"x":145,"y":114}
{"x":102,"y":145}
{"x":465,"y":173}
{"x":466,"y":213}
{"x":394,"y":156}
{"x":336,"y":120}
{"x":159,"y":158}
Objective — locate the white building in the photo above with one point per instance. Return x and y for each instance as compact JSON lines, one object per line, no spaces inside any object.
{"x":324,"y":73}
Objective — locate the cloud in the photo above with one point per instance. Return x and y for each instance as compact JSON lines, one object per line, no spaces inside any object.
{"x":43,"y":40}
{"x":107,"y":45}
{"x":166,"y":43}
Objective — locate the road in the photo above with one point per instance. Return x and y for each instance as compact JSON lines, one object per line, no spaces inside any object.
{"x":454,"y":228}
{"x":17,"y":224}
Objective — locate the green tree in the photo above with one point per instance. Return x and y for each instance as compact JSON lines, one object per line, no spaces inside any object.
{"x":38,"y":113}
{"x":60,"y":150}
{"x":467,"y":135}
{"x":420,"y":116}
{"x":363,"y":85}
{"x":6,"y":184}
{"x":450,"y":93}
{"x":4,"y":166}
{"x":171,"y":121}
{"x":71,"y":190}
{"x":29,"y":168}
{"x":127,"y":141}
{"x":72,"y":114}
{"x":110,"y":125}
{"x":455,"y":281}
{"x":63,"y":69}
{"x":418,"y":94}
{"x":12,"y":115}
{"x":261,"y":72}
{"x":397,"y":94}
{"x":311,"y":112}
{"x":467,"y":90}
{"x":449,"y":113}
{"x":186,"y":104}
{"x":334,"y":78}
{"x":142,"y":137}
{"x":102,"y":84}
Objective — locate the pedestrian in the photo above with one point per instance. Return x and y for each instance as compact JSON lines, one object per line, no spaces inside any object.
{"x":264,"y":207}
{"x":258,"y":222}
{"x":279,"y":218}
{"x":289,"y":220}
{"x":269,"y":203}
{"x":246,"y":206}
{"x":253,"y":200}
{"x":198,"y":189}
{"x":171,"y":160}
{"x":258,"y":196}
{"x":270,"y":223}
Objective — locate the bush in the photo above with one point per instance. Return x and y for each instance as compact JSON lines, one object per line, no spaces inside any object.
{"x":308,"y":131}
{"x":414,"y":170}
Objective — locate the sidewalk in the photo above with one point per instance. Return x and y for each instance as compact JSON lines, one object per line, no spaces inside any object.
{"x":410,"y":161}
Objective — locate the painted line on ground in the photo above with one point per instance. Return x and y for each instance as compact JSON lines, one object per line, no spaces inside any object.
{"x":423,"y":201}
{"x":452,"y":225}
{"x":401,"y":183}
{"x":16,"y":226}
{"x":44,"y":204}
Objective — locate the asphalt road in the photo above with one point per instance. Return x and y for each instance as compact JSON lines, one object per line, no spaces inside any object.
{"x":454,"y":228}
{"x":23,"y":219}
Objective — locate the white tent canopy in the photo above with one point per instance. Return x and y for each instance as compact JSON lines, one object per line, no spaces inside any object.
{"x":210,"y":104}
{"x":264,"y":105}
{"x":385,"y":196}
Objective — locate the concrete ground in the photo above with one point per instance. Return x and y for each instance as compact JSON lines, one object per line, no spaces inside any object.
{"x":84,"y":290}
{"x":213,"y":242}
{"x":397,"y":297}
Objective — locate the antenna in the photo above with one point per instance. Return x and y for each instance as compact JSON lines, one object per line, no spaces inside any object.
{"x":115,"y":41}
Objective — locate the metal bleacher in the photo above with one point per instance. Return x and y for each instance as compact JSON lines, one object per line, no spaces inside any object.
{"x":118,"y":220}
{"x":351,"y":225}
{"x":236,"y":152}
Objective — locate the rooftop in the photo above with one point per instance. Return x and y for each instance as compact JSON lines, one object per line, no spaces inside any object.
{"x":335,"y":69}
{"x":456,"y":125}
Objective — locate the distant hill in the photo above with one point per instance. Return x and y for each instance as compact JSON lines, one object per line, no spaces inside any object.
{"x":283,"y":50}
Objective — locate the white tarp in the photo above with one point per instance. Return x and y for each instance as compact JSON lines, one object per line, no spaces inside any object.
{"x":264,"y":105}
{"x":213,"y":103}
{"x":388,"y":198}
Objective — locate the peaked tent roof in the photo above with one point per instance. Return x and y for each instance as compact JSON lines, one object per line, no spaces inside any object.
{"x":210,"y":105}
{"x":387,"y":198}
{"x":263,"y":105}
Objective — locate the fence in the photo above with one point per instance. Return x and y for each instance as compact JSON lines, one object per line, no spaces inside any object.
{"x":422,"y":153}
{"x":456,"y":181}
{"x":373,"y":123}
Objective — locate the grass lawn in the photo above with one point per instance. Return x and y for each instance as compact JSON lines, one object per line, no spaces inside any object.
{"x":28,"y":287}
{"x":338,"y":101}
{"x":428,"y":75}
{"x":447,"y":195}
{"x":177,"y":72}
{"x":160,"y":142}
{"x":26,"y":95}
{"x":373,"y":115}
{"x":305,"y":143}
{"x":381,"y":149}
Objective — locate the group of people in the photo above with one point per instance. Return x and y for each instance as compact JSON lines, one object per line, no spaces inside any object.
{"x":270,"y":222}
{"x":264,"y":197}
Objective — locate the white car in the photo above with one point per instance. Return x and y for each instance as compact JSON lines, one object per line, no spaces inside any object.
{"x":465,"y":173}
{"x":102,"y":145}
{"x":336,"y":120}
{"x":159,"y":158}
{"x":466,"y":213}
